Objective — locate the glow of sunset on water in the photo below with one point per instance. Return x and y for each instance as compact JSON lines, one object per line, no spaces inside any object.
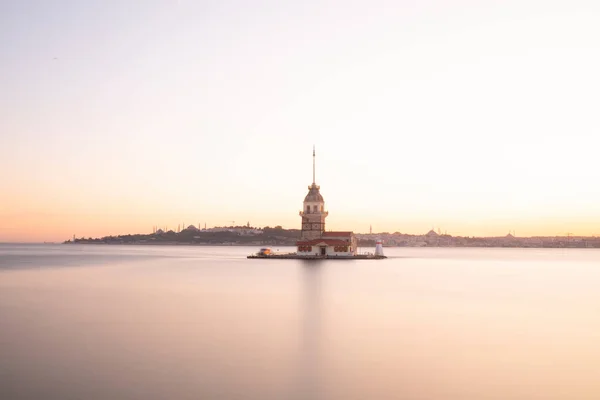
{"x":478,"y":118}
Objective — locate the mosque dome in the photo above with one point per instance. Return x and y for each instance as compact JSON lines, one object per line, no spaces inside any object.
{"x":314,"y":196}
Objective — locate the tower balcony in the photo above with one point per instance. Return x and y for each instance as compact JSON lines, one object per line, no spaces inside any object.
{"x":304,"y":213}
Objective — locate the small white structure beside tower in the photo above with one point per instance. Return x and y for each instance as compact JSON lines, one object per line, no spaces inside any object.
{"x":379,"y":247}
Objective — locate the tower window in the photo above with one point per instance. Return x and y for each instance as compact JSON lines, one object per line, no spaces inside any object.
{"x":308,"y":209}
{"x":315,"y":209}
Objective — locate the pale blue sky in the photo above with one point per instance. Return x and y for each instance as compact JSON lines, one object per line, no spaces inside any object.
{"x":477,"y":117}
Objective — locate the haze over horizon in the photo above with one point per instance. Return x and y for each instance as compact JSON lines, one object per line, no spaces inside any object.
{"x":477,"y":118}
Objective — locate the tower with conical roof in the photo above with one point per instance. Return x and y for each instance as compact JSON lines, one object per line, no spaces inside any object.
{"x":313,"y":212}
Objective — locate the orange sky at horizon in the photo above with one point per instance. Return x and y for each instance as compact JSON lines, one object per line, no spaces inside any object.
{"x":59,"y":227}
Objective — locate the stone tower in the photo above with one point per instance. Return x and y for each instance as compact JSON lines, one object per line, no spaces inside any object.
{"x":313,"y":212}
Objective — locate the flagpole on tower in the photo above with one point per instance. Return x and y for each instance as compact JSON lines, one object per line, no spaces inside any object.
{"x":313,"y":164}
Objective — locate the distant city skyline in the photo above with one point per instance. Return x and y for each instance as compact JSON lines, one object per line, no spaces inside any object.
{"x":237,"y":227}
{"x":476,"y":117}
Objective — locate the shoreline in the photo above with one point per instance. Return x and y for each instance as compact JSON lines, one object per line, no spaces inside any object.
{"x":292,"y":245}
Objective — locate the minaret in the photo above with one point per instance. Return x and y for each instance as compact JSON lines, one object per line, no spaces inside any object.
{"x":313,"y":212}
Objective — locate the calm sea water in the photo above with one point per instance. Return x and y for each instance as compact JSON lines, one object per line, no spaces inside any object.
{"x":129,"y":322}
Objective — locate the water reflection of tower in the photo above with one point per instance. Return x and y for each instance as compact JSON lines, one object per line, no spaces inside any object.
{"x":310,"y":335}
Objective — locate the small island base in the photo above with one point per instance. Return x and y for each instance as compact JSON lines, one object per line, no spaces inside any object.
{"x":293,"y":256}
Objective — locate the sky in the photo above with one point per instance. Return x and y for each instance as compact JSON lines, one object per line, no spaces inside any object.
{"x":472,"y":117}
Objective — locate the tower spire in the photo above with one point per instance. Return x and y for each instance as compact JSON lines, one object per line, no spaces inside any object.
{"x":313,"y":164}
